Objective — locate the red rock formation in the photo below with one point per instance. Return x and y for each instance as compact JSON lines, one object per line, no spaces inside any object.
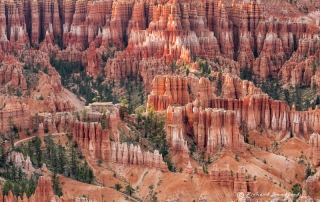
{"x":189,"y":168}
{"x":314,"y":149}
{"x":239,"y":183}
{"x":95,"y":135}
{"x":304,"y":197}
{"x":222,"y":27}
{"x":167,"y":90}
{"x":272,"y":55}
{"x":35,"y":22}
{"x":43,"y":193}
{"x":175,"y":133}
{"x":16,"y":32}
{"x":272,"y":115}
{"x":11,"y":74}
{"x":44,"y":190}
{"x":257,"y":109}
{"x":96,"y":141}
{"x":132,"y":155}
{"x":221,"y":177}
{"x":212,"y":128}
{"x":206,"y":127}
{"x":300,"y":68}
{"x":92,"y":60}
{"x":163,"y":31}
{"x":19,"y":113}
{"x":249,"y":13}
{"x":152,"y":42}
{"x":9,"y":197}
{"x":312,"y":184}
{"x":150,"y":68}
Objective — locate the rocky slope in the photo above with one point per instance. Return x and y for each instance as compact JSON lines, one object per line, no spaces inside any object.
{"x":231,"y":86}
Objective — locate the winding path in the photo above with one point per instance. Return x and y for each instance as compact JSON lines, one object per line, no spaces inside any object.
{"x":29,"y":138}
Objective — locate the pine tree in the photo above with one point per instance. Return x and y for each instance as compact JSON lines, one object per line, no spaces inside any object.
{"x":23,"y":187}
{"x":20,"y":174}
{"x":32,"y":185}
{"x":61,"y":158}
{"x":84,"y":114}
{"x":219,"y":84}
{"x":28,"y":192}
{"x":3,"y":156}
{"x":38,"y":150}
{"x":7,"y":187}
{"x":13,"y":173}
{"x":54,"y":159}
{"x":103,"y":119}
{"x":129,"y":190}
{"x":55,"y":185}
{"x":12,"y":133}
{"x":73,"y":160}
{"x":30,"y":150}
{"x":118,"y":186}
{"x":36,"y":122}
{"x":16,"y":189}
{"x":90,"y":175}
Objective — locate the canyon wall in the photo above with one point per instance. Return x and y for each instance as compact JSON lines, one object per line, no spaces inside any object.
{"x":167,"y":90}
{"x":14,"y":114}
{"x":211,"y":128}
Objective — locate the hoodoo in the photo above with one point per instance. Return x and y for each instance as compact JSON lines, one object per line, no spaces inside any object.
{"x":166,"y":100}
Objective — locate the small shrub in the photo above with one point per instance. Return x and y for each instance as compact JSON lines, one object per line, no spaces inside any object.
{"x":40,"y":98}
{"x":236,"y":157}
{"x":118,"y":186}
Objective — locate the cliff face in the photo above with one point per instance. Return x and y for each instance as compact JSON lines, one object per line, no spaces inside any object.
{"x":94,"y":139}
{"x":167,"y":90}
{"x":15,"y":113}
{"x":211,"y":128}
{"x":216,"y":128}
